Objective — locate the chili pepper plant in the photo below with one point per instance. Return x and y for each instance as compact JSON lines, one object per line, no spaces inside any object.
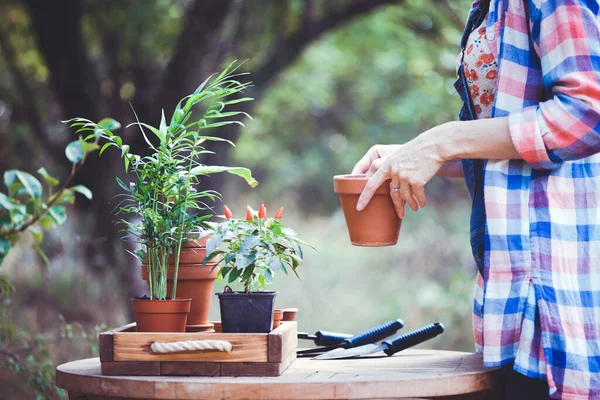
{"x":253,"y":249}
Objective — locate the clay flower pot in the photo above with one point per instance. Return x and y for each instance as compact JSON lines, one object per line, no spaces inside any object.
{"x":192,"y":252}
{"x":195,"y":282}
{"x":161,"y":315}
{"x":376,"y":225}
{"x":289,"y":314}
{"x":277,"y":317}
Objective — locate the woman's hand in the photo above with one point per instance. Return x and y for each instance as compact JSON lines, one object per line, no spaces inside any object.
{"x":410,"y":166}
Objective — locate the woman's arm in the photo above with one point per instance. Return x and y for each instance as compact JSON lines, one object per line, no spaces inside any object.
{"x":413,"y":164}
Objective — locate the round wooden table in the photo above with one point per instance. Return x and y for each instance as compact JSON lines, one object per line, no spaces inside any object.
{"x":409,"y":374}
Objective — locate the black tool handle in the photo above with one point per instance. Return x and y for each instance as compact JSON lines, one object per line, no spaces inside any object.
{"x":324,"y":338}
{"x":413,"y":338}
{"x":374,"y":335}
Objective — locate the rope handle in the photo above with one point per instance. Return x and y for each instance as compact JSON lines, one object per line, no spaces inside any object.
{"x":191,"y":345}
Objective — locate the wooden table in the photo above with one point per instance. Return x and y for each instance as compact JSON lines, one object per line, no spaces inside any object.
{"x":409,"y":374}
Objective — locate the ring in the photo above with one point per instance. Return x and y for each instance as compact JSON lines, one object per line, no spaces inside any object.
{"x":395,"y":189}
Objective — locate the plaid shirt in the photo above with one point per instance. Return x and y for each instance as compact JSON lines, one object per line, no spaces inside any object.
{"x":538,"y":304}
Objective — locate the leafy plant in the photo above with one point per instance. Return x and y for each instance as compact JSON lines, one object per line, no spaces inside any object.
{"x":253,"y":250}
{"x":26,"y":208}
{"x":163,"y":195}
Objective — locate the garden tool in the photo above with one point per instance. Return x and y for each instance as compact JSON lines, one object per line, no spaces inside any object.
{"x":324,"y":338}
{"x":371,"y":336}
{"x":390,"y":347}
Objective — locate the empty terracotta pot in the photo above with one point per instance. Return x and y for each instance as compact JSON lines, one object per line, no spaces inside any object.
{"x":196,"y":282}
{"x":277,"y":316}
{"x":161,"y":315}
{"x":289,"y":314}
{"x":377,"y":225}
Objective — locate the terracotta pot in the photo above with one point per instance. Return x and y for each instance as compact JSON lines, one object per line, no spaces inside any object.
{"x":218,"y":326}
{"x":196,"y":282}
{"x":289,"y":314}
{"x":376,"y":225}
{"x":192,"y":252}
{"x":277,"y":316}
{"x":161,"y":315}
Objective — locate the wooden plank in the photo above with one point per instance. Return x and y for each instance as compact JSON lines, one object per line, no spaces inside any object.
{"x":175,"y":368}
{"x":250,"y":369}
{"x":247,"y":347}
{"x":105,"y":341}
{"x":280,"y":340}
{"x":131,"y":368}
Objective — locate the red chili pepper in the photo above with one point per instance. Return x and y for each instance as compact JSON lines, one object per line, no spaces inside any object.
{"x":227,"y":212}
{"x":279,"y":213}
{"x":262,"y":211}
{"x":249,"y":215}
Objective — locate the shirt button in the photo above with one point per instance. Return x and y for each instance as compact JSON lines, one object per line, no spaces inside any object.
{"x":491,"y":36}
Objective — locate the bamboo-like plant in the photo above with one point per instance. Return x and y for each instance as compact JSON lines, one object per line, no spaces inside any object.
{"x":163,"y":195}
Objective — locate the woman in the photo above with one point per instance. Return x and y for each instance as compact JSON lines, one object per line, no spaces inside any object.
{"x":527,"y":147}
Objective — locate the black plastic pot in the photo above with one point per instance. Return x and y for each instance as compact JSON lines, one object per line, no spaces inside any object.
{"x":247,"y":312}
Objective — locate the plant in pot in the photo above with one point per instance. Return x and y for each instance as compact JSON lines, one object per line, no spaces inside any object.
{"x":250,"y":251}
{"x":168,"y":211}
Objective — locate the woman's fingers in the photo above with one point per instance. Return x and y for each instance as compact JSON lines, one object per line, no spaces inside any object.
{"x":419,"y":193}
{"x":375,"y":165}
{"x":399,"y":204}
{"x":365,"y":162}
{"x":372,"y":185}
{"x":407,"y":195}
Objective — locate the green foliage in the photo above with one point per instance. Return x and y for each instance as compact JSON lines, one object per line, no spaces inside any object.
{"x":24,"y":207}
{"x":28,"y":354}
{"x":251,"y":251}
{"x":163,"y":195}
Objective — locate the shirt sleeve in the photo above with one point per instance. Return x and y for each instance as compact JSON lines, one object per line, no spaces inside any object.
{"x":566,"y":37}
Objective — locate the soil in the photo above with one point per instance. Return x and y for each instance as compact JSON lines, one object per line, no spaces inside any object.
{"x":145,"y":297}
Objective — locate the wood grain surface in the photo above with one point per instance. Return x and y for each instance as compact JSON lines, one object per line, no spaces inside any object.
{"x":409,"y":374}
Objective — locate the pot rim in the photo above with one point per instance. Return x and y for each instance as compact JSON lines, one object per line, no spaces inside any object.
{"x":355,"y":184}
{"x":266,"y":293}
{"x":162,"y":301}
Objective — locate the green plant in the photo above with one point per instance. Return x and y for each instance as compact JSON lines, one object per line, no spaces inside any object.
{"x":253,"y":250}
{"x":163,"y":195}
{"x":25,"y":207}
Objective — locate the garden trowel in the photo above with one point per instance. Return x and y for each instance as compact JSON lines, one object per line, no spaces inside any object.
{"x":371,"y":336}
{"x":389,"y":347}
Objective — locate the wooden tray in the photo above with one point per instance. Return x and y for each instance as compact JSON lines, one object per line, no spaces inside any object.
{"x":123,"y":351}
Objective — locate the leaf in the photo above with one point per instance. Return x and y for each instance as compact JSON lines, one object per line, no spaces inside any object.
{"x":268,"y":275}
{"x":109,"y":123}
{"x":212,"y":243}
{"x":41,"y":253}
{"x":261,"y":280}
{"x":4,"y":246}
{"x":275,"y":264}
{"x":58,"y":214}
{"x":234,"y":274}
{"x":213,"y":169}
{"x":67,"y":196}
{"x":243,"y":260}
{"x":83,"y":190}
{"x":38,"y":235}
{"x":10,"y":177}
{"x":74,"y":152}
{"x":6,"y":202}
{"x":32,"y":186}
{"x":46,"y":222}
{"x":51,"y":181}
{"x":249,"y":244}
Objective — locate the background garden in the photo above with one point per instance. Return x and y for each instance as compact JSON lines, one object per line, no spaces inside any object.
{"x":330,"y":77}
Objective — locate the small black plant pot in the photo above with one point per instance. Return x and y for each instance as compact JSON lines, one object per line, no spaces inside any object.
{"x":247,"y":312}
